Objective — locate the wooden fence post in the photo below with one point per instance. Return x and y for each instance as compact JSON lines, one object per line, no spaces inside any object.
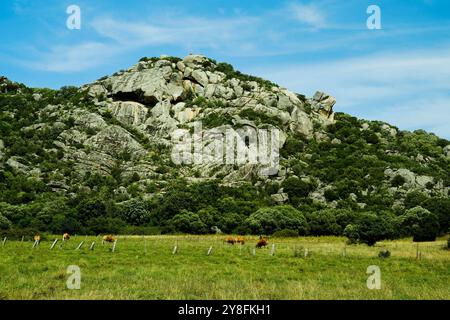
{"x":80,"y":245}
{"x":418,"y":253}
{"x":272,"y":251}
{"x":53,"y":244}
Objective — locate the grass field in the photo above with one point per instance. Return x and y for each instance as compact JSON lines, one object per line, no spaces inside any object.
{"x":145,"y":268}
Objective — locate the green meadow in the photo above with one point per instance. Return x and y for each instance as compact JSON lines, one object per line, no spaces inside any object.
{"x":147,"y":268}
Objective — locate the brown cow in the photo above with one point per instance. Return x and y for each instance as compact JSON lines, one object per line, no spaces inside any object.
{"x":240,"y":239}
{"x":230,"y":240}
{"x":109,"y":238}
{"x":262,"y":242}
{"x":66,"y":236}
{"x":37,"y":238}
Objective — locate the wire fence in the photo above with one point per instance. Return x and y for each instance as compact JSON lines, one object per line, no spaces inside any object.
{"x":217,"y":245}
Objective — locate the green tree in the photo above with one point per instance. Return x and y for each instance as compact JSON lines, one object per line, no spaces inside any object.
{"x":440,"y":207}
{"x":297,"y":190}
{"x":421,"y":224}
{"x":5,"y":224}
{"x":370,"y":228}
{"x":189,"y":222}
{"x":105,"y":225}
{"x":323,"y":222}
{"x":63,"y":223}
{"x":270,"y":220}
{"x":415,"y":199}
{"x":90,"y":208}
{"x":134,"y":212}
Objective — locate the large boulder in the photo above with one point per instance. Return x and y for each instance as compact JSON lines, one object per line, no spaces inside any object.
{"x":129,"y":112}
{"x":447,"y":151}
{"x":194,"y":60}
{"x":323,"y":104}
{"x":411,"y":179}
{"x":115,"y":140}
{"x":301,"y":123}
{"x":88,"y":120}
{"x":200,"y":76}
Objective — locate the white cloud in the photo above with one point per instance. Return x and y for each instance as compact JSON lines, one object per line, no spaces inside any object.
{"x":308,"y":14}
{"x":428,"y":112}
{"x":178,"y":30}
{"x":73,"y":58}
{"x":395,"y":87}
{"x":119,"y":37}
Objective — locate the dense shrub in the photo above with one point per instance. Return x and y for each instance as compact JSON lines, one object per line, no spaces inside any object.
{"x":62,"y":223}
{"x":384,"y":254}
{"x":296,"y":188}
{"x":370,"y":228}
{"x":5,"y":224}
{"x":231,"y":73}
{"x":229,"y":221}
{"x":441,"y":208}
{"x":344,"y":217}
{"x":105,"y":224}
{"x":270,"y":220}
{"x":291,"y":147}
{"x":421,"y":224}
{"x":323,"y":222}
{"x":352,"y":233}
{"x":188,"y":222}
{"x":261,"y":118}
{"x":285,"y":233}
{"x":90,"y":208}
{"x":141,"y":230}
{"x":415,"y":199}
{"x":134,"y":212}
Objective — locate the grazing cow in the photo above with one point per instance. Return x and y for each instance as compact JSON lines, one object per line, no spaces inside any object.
{"x":240,"y":239}
{"x":37,"y":238}
{"x":109,"y":238}
{"x":66,"y":236}
{"x":230,"y":240}
{"x":262,"y":242}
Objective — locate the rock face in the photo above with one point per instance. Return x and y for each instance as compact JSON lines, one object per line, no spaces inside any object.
{"x":159,"y":96}
{"x":2,"y":146}
{"x":412,"y":180}
{"x":129,"y":112}
{"x":323,"y":104}
{"x":129,"y":124}
{"x":280,"y":197}
{"x":447,"y":151}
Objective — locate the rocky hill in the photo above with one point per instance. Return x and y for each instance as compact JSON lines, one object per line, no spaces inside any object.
{"x":100,"y":158}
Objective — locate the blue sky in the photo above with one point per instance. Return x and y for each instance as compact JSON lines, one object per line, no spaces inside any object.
{"x":399,"y":74}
